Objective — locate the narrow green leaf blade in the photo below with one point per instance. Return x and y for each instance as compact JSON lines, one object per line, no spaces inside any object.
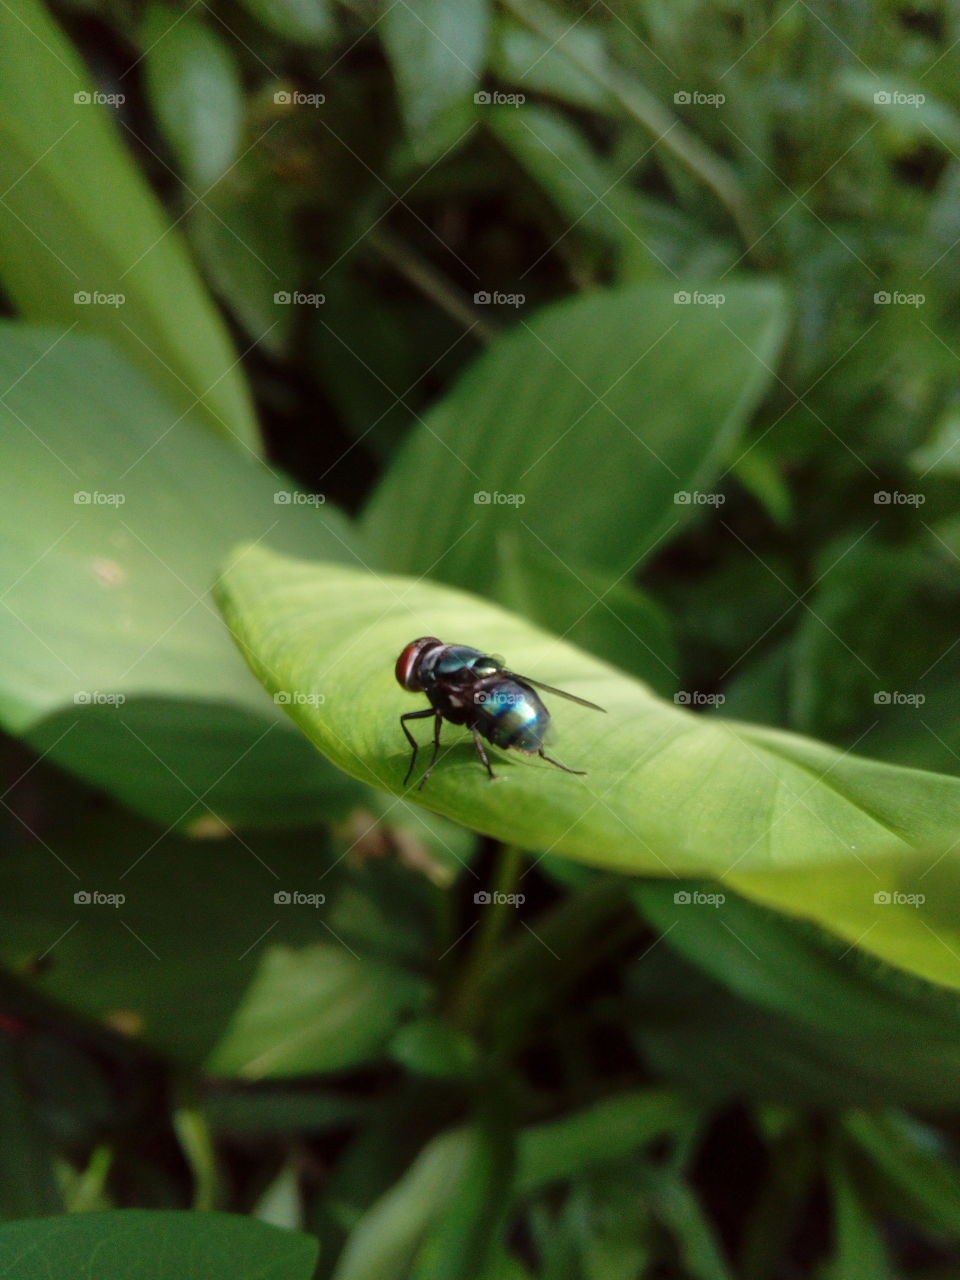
{"x":78,"y":220}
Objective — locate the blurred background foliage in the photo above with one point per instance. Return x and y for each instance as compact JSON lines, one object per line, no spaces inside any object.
{"x":736,"y":1097}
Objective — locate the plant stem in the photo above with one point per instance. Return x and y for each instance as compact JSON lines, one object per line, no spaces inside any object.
{"x":492,"y":924}
{"x":430,"y":283}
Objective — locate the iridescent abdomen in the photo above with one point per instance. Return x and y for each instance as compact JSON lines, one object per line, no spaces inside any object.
{"x":510,"y":714}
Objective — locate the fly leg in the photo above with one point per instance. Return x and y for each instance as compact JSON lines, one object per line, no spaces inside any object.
{"x":413,"y":715}
{"x":483,"y":755}
{"x":436,"y":747}
{"x":581,"y":773}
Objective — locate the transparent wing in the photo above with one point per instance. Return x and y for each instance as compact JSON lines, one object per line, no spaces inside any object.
{"x":549,"y":688}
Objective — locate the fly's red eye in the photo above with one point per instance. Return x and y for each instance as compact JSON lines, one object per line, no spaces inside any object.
{"x":406,"y":663}
{"x":406,"y":668}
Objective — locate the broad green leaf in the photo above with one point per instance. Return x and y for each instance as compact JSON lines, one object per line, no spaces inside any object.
{"x":210,"y":953}
{"x":318,"y":1009}
{"x":786,"y":1011}
{"x":145,"y":1244}
{"x":78,"y":220}
{"x":584,"y":427}
{"x":195,"y":92}
{"x":880,"y":621}
{"x":114,"y":517}
{"x":610,"y":618}
{"x":437,"y":53}
{"x":305,"y":21}
{"x":861,"y":847}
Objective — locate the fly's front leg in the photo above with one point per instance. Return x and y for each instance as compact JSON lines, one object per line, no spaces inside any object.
{"x":413,"y":715}
{"x":436,"y":748}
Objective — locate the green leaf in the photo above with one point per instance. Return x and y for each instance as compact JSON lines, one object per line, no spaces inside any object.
{"x":614,"y":620}
{"x":781,"y":819}
{"x":243,"y":235}
{"x":208,"y":952}
{"x":859,"y":1252}
{"x":144,"y":1244}
{"x":387,"y":1237}
{"x":114,"y":517}
{"x":607,"y":1130}
{"x":914,"y":1175}
{"x":318,"y":1009}
{"x":529,"y":61}
{"x":304,"y":21}
{"x":880,"y":621}
{"x":581,"y":184}
{"x":432,"y":1048}
{"x":195,"y":92}
{"x":581,"y":425}
{"x":438,"y":1220}
{"x":788,"y":1013}
{"x":437,"y":53}
{"x":78,"y":219}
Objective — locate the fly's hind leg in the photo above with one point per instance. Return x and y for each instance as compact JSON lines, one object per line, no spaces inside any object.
{"x":581,"y":773}
{"x":483,"y":755}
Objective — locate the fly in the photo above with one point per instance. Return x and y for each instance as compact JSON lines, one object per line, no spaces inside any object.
{"x":474,"y":689}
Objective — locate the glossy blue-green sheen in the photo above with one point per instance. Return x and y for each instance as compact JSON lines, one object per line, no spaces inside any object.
{"x":453,"y":658}
{"x":517,"y":717}
{"x":510,"y":713}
